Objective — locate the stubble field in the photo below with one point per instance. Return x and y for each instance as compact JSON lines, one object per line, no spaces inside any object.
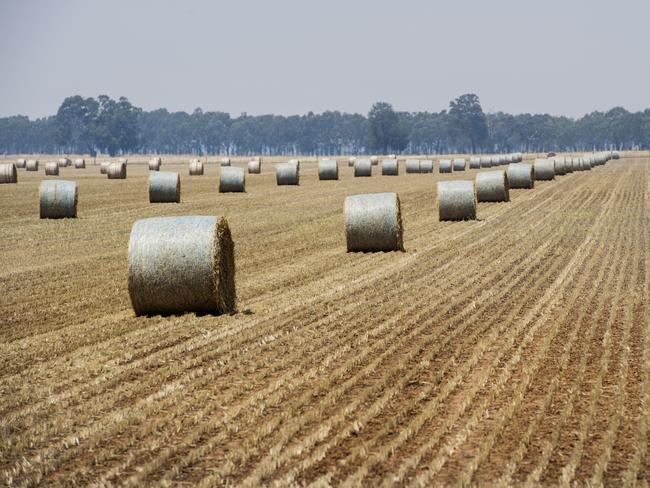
{"x":514,"y":349}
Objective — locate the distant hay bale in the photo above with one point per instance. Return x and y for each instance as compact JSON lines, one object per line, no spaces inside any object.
{"x":391,"y":156}
{"x":486,"y":162}
{"x":8,"y":173}
{"x":232,"y":180}
{"x":373,"y":222}
{"x":374,"y":160}
{"x":456,"y":200}
{"x":568,"y":165}
{"x":551,"y":155}
{"x":559,"y":166}
{"x":492,"y":186}
{"x":58,"y":199}
{"x":123,"y":161}
{"x":21,"y":163}
{"x":64,"y":162}
{"x":103,"y":167}
{"x":225,"y":162}
{"x":544,"y":169}
{"x":616,"y":155}
{"x":51,"y":169}
{"x":254,"y":167}
{"x":521,"y":175}
{"x":588,"y":161}
{"x":412,"y":165}
{"x":116,"y":171}
{"x":31,"y":165}
{"x":363,"y":167}
{"x":287,"y":174}
{"x":196,"y":168}
{"x":328,"y":169}
{"x":389,"y":167}
{"x":459,"y":164}
{"x":154,"y":164}
{"x":475,"y":163}
{"x":426,"y":166}
{"x":164,"y":187}
{"x":295,"y":162}
{"x":181,"y":264}
{"x":351,"y":161}
{"x":585,"y":164}
{"x":80,"y":163}
{"x":445,"y":166}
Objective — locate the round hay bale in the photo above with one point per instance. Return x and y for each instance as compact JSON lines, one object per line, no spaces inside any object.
{"x":254,"y":167}
{"x":31,"y":165}
{"x":521,"y":175}
{"x":412,"y":165}
{"x":445,"y":166}
{"x":116,"y":171}
{"x":181,"y":264}
{"x":124,"y":161}
{"x":103,"y":167}
{"x":568,"y":165}
{"x":351,"y":161}
{"x":374,"y":160}
{"x":551,"y":155}
{"x":616,"y":155}
{"x":58,"y":199}
{"x":456,"y":200}
{"x":295,"y":162}
{"x":196,"y":168}
{"x":475,"y":163}
{"x":544,"y":170}
{"x":328,"y":169}
{"x":63,"y":163}
{"x":486,"y":162}
{"x":459,"y":164}
{"x":585,"y":164}
{"x":225,"y":162}
{"x":363,"y":167}
{"x":391,"y":156}
{"x":51,"y":169}
{"x":426,"y":166}
{"x":80,"y":163}
{"x":164,"y":187}
{"x":389,"y":167}
{"x":21,"y":163}
{"x":232,"y":180}
{"x":8,"y":173}
{"x":154,"y":164}
{"x":492,"y":186}
{"x":559,"y":166}
{"x":373,"y":222}
{"x":287,"y":174}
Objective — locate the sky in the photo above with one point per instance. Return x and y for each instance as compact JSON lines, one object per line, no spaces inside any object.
{"x":563,"y":57}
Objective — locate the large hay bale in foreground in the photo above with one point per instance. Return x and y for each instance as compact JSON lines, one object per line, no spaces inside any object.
{"x":521,"y":175}
{"x":459,"y":164}
{"x":373,"y":222}
{"x":363,"y":167}
{"x":8,"y":173}
{"x":154,"y":164}
{"x":544,"y":169}
{"x":164,"y":187}
{"x":51,"y":169}
{"x":328,"y":169}
{"x":31,"y":165}
{"x":426,"y":166}
{"x":21,"y":163}
{"x":254,"y":167}
{"x":232,"y":180}
{"x":412,"y":165}
{"x":287,"y":174}
{"x":456,"y":200}
{"x":103,"y":167}
{"x":225,"y":162}
{"x":445,"y":166}
{"x":80,"y":163}
{"x":116,"y":171}
{"x":196,"y":168}
{"x":389,"y":167}
{"x":475,"y":163}
{"x":181,"y":264}
{"x":58,"y":199}
{"x":492,"y":186}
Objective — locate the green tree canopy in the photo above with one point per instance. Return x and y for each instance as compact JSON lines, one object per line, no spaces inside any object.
{"x":386,"y":132}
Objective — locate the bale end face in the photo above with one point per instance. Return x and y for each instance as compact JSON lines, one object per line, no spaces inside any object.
{"x":456,"y":200}
{"x":373,"y":222}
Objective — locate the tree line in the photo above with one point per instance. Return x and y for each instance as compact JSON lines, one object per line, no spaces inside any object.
{"x":103,"y":125}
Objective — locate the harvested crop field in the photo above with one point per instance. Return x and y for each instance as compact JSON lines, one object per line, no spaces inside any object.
{"x":513,"y":348}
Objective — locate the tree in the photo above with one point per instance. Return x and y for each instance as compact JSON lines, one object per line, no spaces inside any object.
{"x":386,"y":132}
{"x":75,"y":121}
{"x":468,"y":122}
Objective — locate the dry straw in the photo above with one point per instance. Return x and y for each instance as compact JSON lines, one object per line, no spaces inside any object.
{"x":456,"y":200}
{"x":232,"y":180}
{"x":79,"y":163}
{"x":363,"y":167}
{"x":31,"y":165}
{"x":492,"y":186}
{"x":116,"y":171}
{"x":103,"y":167}
{"x":459,"y":164}
{"x":154,"y":164}
{"x":373,"y":222}
{"x":544,"y":169}
{"x":445,"y":166}
{"x":475,"y":163}
{"x":8,"y":173}
{"x":181,"y":264}
{"x":51,"y":169}
{"x":225,"y":162}
{"x":58,"y":199}
{"x":328,"y":169}
{"x":287,"y":174}
{"x":164,"y":187}
{"x":521,"y":175}
{"x":254,"y":167}
{"x":412,"y":165}
{"x":389,"y":167}
{"x":426,"y":166}
{"x":21,"y":163}
{"x":196,"y":168}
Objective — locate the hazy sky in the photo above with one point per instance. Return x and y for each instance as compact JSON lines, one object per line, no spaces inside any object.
{"x":289,"y":57}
